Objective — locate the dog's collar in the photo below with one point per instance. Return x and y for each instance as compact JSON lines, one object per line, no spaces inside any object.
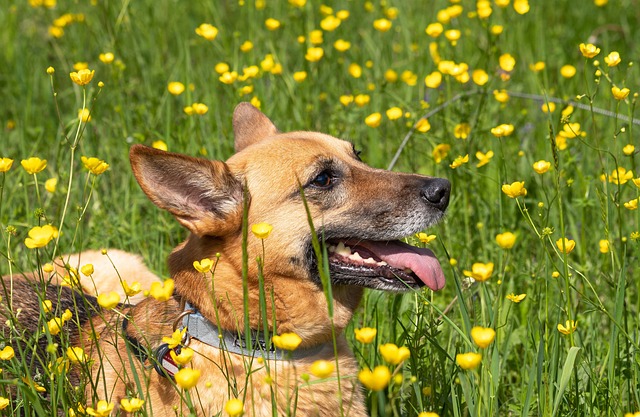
{"x":200,"y":328}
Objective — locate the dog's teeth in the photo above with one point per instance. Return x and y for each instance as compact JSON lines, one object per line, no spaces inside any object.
{"x":343,"y":250}
{"x":370,"y":261}
{"x":382,"y":263}
{"x":355,"y":257}
{"x":332,"y":248}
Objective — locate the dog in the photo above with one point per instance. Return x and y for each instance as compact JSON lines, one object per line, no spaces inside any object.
{"x":269,"y":285}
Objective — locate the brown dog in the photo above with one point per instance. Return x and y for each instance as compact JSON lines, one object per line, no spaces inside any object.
{"x":357,"y":211}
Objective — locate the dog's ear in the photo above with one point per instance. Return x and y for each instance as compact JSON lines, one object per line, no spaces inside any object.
{"x":204,"y":196}
{"x":250,"y":125}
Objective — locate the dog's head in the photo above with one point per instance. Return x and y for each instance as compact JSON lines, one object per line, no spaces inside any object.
{"x":359,"y":212}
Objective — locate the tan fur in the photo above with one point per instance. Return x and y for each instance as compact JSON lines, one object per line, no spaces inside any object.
{"x":208,"y":198}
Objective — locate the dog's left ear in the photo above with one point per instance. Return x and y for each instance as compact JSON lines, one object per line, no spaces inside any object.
{"x":204,"y":196}
{"x":250,"y":125}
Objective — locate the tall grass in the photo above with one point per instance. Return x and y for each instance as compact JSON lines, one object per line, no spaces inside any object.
{"x":531,"y":368}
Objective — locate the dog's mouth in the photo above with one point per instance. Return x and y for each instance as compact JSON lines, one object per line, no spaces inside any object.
{"x":386,"y":265}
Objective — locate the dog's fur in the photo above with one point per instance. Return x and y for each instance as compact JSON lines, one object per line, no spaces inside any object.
{"x":269,"y":174}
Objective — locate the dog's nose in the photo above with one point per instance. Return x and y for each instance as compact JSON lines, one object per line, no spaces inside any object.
{"x":436,"y":192}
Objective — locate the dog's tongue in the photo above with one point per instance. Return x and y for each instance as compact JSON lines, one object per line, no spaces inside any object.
{"x":399,"y":255}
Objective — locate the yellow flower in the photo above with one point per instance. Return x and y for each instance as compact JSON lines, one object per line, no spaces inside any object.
{"x":618,"y":93}
{"x":483,"y":158}
{"x":234,"y":407}
{"x":620,"y":176}
{"x":548,"y":107}
{"x":568,"y":71}
{"x":341,"y":45}
{"x":515,"y":189}
{"x":7,"y":353}
{"x":521,"y":6}
{"x":394,"y":354}
{"x":373,"y":120}
{"x":287,"y":341}
{"x":496,"y":29}
{"x":261,"y":230}
{"x":162,"y":291}
{"x":40,"y":236}
{"x":175,"y":339}
{"x":82,"y":77}
{"x":94,"y":165}
{"x":103,"y":409}
{"x":459,"y":161}
{"x":565,"y":245}
{"x":330,"y":23}
{"x":440,"y":151}
{"x":298,"y":3}
{"x":182,"y":358}
{"x":4,"y":402}
{"x":87,"y":269}
{"x":55,"y":325}
{"x":159,"y":144}
{"x":203,"y":265}
{"x":434,"y":29}
{"x":382,"y":25}
{"x":483,"y":336}
{"x":33,"y":165}
{"x":612,"y":59}
{"x":589,"y":50}
{"x":175,"y":87}
{"x":452,"y":35}
{"x":604,"y":245}
{"x":131,"y":290}
{"x":462,"y":130}
{"x":131,"y":405}
{"x":423,"y":126}
{"x":394,"y":113}
{"x":628,"y":149}
{"x":345,"y":100}
{"x":51,"y":184}
{"x":207,"y":31}
{"x":428,"y":414}
{"x":479,"y":271}
{"x":108,"y":300}
{"x":502,"y":96}
{"x":375,"y":380}
{"x":365,"y":334}
{"x":569,"y":327}
{"x":272,"y":24}
{"x":355,"y":70}
{"x":322,"y":368}
{"x":468,"y":361}
{"x":480,"y":77}
{"x":5,"y":164}
{"x":632,"y":204}
{"x":314,"y":54}
{"x":507,"y":62}
{"x":433,"y":80}
{"x":106,"y":57}
{"x":541,"y":166}
{"x":361,"y":100}
{"x":246,"y":46}
{"x":222,"y":67}
{"x":76,"y":354}
{"x":516,"y":298}
{"x":315,"y":37}
{"x":502,"y":130}
{"x":506,"y":240}
{"x":47,"y":305}
{"x":424,"y":238}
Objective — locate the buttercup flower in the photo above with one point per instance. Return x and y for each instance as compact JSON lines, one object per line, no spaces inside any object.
{"x":462,"y":130}
{"x":425,"y":238}
{"x":322,"y":368}
{"x":628,"y":149}
{"x":330,"y":23}
{"x":507,"y":62}
{"x":382,"y":25}
{"x":76,"y":354}
{"x":589,"y":50}
{"x":160,"y":144}
{"x":131,"y":290}
{"x":94,"y":165}
{"x":234,"y":407}
{"x":4,"y":403}
{"x":175,"y":87}
{"x":423,"y":126}
{"x":480,"y":77}
{"x":502,"y":130}
{"x":483,"y":158}
{"x":108,"y":300}
{"x":365,"y":334}
{"x":131,"y":405}
{"x":394,"y":113}
{"x":373,"y":120}
{"x":506,"y":240}
{"x":515,"y":189}
{"x":603,"y":245}
{"x":375,"y":380}
{"x":272,"y":24}
{"x":516,"y":298}
{"x":203,"y":265}
{"x":7,"y":353}
{"x":479,"y":271}
{"x":182,"y":358}
{"x":162,"y":291}
{"x":314,"y":54}
{"x":51,"y":184}
{"x":187,"y":378}
{"x":620,"y":176}
{"x":565,"y":245}
{"x":33,"y":165}
{"x":612,"y":59}
{"x":433,"y":80}
{"x":261,"y":230}
{"x":632,"y":204}
{"x":102,"y":409}
{"x":5,"y":164}
{"x":361,"y":100}
{"x":568,"y":71}
{"x":569,"y":327}
{"x":440,"y":152}
{"x":541,"y":166}
{"x":40,"y":236}
{"x":175,"y":339}
{"x":434,"y":29}
{"x":82,"y":77}
{"x":482,"y":336}
{"x":87,"y":269}
{"x":459,"y":161}
{"x":341,"y":45}
{"x":287,"y":341}
{"x":521,"y":6}
{"x":468,"y":361}
{"x":207,"y":31}
{"x":394,"y":354}
{"x":501,"y":96}
{"x":106,"y":58}
{"x":548,"y":107}
{"x":620,"y":93}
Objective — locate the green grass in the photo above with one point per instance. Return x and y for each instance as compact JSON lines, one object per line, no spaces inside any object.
{"x":530,"y":368}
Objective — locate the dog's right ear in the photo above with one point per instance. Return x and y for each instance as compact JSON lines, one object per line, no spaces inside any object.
{"x":250,"y":125}
{"x":204,"y":196}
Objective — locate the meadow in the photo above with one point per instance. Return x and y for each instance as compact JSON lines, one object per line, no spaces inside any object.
{"x":528,"y":108}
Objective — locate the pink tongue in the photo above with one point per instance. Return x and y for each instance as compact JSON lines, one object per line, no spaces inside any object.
{"x":399,"y":255}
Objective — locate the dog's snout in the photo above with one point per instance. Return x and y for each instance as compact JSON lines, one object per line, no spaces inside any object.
{"x":436,"y":192}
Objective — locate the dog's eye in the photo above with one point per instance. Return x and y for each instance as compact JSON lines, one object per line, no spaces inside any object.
{"x":323,"y":180}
